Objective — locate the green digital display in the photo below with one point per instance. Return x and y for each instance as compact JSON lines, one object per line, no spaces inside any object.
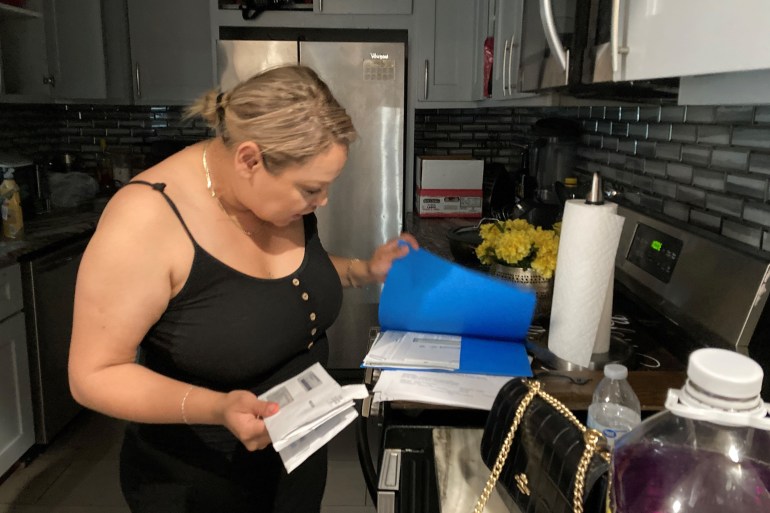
{"x":656,"y":245}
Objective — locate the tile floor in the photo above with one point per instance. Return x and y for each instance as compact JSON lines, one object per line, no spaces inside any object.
{"x":78,"y":473}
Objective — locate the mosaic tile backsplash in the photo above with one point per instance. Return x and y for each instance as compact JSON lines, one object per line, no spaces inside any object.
{"x":40,"y":131}
{"x":706,"y":166}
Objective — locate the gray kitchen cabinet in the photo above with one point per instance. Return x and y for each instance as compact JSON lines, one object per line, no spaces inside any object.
{"x":16,"y":418}
{"x":56,"y":51}
{"x":362,"y":6}
{"x":171,"y":51}
{"x":690,"y":37}
{"x":23,"y":59}
{"x":447,"y":53}
{"x":75,"y":41}
{"x":506,"y":16}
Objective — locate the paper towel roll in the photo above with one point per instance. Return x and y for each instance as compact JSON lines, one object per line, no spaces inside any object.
{"x":582,"y":293}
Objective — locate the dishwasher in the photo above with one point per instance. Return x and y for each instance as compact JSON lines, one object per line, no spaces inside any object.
{"x":48,"y":278}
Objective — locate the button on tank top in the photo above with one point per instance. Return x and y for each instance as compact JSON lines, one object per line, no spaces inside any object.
{"x":226,"y":330}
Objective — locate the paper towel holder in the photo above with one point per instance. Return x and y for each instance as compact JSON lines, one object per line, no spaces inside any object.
{"x":620,"y":352}
{"x":595,"y":195}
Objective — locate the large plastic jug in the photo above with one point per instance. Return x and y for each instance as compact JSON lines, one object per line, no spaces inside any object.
{"x":708,"y":452}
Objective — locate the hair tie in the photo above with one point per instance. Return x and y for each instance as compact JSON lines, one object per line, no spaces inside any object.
{"x":220,"y":108}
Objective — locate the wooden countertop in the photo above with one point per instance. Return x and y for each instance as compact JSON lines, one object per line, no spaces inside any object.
{"x":651,"y":387}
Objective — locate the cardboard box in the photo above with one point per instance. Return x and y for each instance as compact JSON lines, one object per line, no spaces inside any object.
{"x":449,"y":173}
{"x":448,"y":186}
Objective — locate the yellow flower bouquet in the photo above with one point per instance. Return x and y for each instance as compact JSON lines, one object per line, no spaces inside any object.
{"x":517,"y":243}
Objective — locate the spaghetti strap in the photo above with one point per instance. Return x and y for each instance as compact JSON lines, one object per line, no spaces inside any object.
{"x":160,"y":187}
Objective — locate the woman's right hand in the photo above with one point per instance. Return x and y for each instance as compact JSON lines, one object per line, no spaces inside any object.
{"x":243,"y":415}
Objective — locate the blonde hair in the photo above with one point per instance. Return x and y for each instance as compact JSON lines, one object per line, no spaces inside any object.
{"x":288,"y":111}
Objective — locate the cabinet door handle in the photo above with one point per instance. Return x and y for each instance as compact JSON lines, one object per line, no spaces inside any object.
{"x":49,"y":80}
{"x":549,"y":27}
{"x":505,"y":58}
{"x":615,"y":38}
{"x":425,"y":81}
{"x":320,"y":5}
{"x":138,"y":78}
{"x":510,"y":62}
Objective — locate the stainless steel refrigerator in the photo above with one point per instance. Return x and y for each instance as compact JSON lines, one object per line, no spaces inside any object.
{"x":365,"y":206}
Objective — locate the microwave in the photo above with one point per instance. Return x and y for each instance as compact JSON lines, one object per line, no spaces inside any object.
{"x":573,"y":45}
{"x":555,"y":42}
{"x":250,"y":9}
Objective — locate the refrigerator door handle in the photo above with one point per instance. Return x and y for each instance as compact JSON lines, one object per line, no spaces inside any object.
{"x":510,"y":63}
{"x":138,"y":79}
{"x":505,"y":59}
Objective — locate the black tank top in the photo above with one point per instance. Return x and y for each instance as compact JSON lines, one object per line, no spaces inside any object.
{"x":226,"y":330}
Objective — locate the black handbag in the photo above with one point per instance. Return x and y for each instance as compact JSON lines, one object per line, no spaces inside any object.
{"x":541,"y":454}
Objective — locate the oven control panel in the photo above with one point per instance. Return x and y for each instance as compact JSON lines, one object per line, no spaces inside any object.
{"x":654,"y":251}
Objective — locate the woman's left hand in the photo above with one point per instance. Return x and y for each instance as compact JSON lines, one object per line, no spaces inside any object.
{"x":383,"y":257}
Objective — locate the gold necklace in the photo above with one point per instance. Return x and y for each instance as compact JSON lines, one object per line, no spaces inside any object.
{"x":214,"y":195}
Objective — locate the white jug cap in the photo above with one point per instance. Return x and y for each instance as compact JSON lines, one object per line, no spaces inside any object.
{"x":725,"y":373}
{"x":722,"y":387}
{"x":615,"y":371}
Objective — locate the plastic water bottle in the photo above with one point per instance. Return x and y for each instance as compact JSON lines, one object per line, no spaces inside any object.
{"x":708,"y":452}
{"x":615,"y":409}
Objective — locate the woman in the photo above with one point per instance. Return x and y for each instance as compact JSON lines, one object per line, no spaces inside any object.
{"x":210,"y":263}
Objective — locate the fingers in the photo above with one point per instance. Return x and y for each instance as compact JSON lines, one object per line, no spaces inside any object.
{"x":244,"y":414}
{"x":410,"y":239}
{"x":265,"y":408}
{"x":253,"y":433}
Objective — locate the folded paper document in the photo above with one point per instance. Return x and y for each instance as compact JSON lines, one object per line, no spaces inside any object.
{"x":313,"y":409}
{"x":437,"y":315}
{"x":475,"y":391}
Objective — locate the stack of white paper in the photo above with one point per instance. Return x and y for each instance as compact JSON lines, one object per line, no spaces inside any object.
{"x":414,"y":350}
{"x":313,"y":409}
{"x":476,"y":391}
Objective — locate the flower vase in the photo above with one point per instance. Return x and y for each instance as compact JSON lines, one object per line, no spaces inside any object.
{"x":529,"y":278}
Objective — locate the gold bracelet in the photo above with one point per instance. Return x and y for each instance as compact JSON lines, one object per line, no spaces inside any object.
{"x":348,"y":274}
{"x":184,"y":400}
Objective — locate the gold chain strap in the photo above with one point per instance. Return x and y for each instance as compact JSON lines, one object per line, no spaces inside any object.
{"x":591,"y":437}
{"x":503,"y":454}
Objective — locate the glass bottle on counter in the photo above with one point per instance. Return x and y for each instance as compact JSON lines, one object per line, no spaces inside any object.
{"x":570,"y":188}
{"x":104,"y":170}
{"x":10,"y":206}
{"x":615,"y":408}
{"x":708,"y":452}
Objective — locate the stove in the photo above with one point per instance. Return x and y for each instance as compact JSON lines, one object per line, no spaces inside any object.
{"x":678,"y":288}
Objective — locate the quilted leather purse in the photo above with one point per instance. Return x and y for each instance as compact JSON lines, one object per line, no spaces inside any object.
{"x":541,"y":453}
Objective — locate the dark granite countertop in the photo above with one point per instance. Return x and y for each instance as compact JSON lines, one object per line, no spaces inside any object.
{"x":45,"y":232}
{"x":431,"y":232}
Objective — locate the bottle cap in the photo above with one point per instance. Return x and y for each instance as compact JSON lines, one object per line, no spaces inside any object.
{"x":615,"y":371}
{"x":725,"y":373}
{"x":723,"y":387}
{"x":570,"y":181}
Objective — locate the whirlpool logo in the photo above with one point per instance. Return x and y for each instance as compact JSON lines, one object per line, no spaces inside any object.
{"x":375,"y":55}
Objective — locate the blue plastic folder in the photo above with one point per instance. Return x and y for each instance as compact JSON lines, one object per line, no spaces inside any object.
{"x":426,"y":293}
